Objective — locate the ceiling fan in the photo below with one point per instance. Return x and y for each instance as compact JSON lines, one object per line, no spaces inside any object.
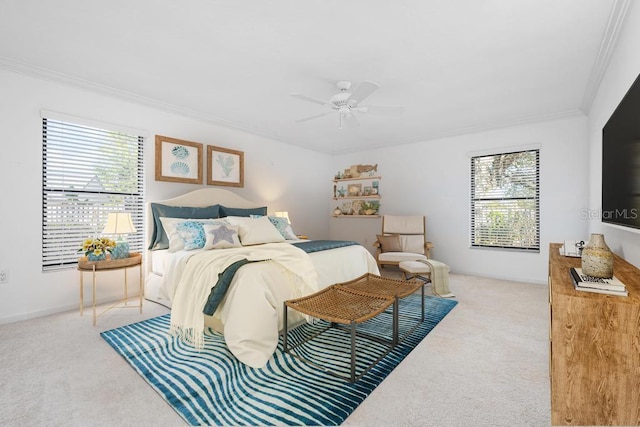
{"x":347,"y":103}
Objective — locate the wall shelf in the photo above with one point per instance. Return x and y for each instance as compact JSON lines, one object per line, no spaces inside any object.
{"x":362,"y":178}
{"x":357,"y":191}
{"x":377,"y":196}
{"x":356,"y":216}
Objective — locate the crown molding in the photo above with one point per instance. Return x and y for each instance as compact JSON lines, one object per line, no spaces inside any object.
{"x":619,"y":12}
{"x":50,"y":75}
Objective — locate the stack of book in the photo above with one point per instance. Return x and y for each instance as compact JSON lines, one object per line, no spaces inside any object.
{"x":585,"y":283}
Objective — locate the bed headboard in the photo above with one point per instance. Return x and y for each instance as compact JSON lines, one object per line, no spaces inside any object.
{"x":197,"y":198}
{"x":210,"y":196}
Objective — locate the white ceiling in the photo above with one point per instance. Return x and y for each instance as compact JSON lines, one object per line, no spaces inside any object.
{"x":455,"y":66}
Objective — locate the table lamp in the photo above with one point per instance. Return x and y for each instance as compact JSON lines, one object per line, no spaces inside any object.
{"x":283,"y":214}
{"x":119,"y":223}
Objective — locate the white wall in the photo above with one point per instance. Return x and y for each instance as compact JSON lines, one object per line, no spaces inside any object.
{"x":281,"y":176}
{"x":433,"y":178}
{"x":621,"y":73}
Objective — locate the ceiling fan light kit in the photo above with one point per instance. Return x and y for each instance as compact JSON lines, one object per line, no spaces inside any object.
{"x":346,"y":103}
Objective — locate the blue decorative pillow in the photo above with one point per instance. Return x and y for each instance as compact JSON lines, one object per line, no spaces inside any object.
{"x":283,"y":227}
{"x":192,"y":234}
{"x":225,"y":211}
{"x":159,"y":238}
{"x":186,"y":232}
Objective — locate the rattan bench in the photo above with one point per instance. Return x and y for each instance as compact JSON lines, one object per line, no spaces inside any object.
{"x":343,"y":306}
{"x":397,"y":289}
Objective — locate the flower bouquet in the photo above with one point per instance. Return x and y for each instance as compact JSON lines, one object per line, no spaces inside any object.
{"x":96,"y":249}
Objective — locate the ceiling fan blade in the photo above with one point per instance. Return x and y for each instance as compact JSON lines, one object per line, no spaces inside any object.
{"x":313,"y":117}
{"x":309,"y":98}
{"x":364,"y":90}
{"x":381,"y":109}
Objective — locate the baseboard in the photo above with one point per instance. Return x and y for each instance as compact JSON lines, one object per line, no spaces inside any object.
{"x":57,"y":310}
{"x":498,"y":277}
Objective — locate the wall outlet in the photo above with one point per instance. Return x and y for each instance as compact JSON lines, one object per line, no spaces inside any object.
{"x":4,"y":276}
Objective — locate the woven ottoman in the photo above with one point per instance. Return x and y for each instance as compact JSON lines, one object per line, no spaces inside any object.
{"x":397,"y":289}
{"x":340,"y":306}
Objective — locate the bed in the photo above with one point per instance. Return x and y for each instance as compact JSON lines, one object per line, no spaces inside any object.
{"x":241,"y":283}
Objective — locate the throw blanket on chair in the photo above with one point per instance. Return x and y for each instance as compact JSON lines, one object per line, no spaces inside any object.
{"x":439,"y":278}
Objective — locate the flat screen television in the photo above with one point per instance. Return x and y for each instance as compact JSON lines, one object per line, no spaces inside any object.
{"x":621,"y":162}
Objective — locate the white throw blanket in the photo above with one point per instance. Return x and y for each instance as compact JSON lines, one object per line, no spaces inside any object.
{"x":201,"y":274}
{"x":439,"y":278}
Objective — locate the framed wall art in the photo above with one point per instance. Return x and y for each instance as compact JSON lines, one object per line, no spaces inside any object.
{"x":225,"y":167}
{"x":178,"y":160}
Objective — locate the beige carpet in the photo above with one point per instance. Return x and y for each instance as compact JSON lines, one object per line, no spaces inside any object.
{"x":485,"y":364}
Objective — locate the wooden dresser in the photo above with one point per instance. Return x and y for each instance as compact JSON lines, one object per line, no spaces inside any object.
{"x":594,"y":348}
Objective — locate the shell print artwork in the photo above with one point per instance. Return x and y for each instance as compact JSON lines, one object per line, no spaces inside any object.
{"x":180,"y":168}
{"x":180,"y":152}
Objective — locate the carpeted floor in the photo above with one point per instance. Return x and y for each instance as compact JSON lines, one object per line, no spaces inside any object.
{"x":485,"y":364}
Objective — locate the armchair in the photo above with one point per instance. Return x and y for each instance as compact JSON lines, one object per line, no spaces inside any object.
{"x":403,"y":238}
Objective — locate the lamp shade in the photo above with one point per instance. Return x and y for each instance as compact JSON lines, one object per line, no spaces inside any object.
{"x":283,"y":214}
{"x":119,"y":223}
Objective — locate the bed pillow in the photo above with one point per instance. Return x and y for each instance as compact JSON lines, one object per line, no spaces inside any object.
{"x":159,"y":237}
{"x":389,"y":243}
{"x":192,"y":234}
{"x":186,"y":234}
{"x":221,"y":236}
{"x":244,"y":212}
{"x":282,"y":225}
{"x":254,"y":231}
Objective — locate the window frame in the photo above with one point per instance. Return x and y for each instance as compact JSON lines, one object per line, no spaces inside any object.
{"x":77,"y":150}
{"x":475,"y":210}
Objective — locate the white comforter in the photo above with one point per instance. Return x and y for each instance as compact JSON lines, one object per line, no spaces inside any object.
{"x":251,"y":312}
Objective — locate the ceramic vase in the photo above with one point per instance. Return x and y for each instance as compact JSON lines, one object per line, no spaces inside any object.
{"x":93,"y":257}
{"x":120,"y":251}
{"x":597,"y":258}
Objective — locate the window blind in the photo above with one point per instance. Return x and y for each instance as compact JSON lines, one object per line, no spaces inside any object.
{"x":505,"y":200}
{"x":86,"y":173}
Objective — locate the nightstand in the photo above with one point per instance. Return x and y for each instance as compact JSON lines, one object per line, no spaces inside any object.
{"x":94,"y":267}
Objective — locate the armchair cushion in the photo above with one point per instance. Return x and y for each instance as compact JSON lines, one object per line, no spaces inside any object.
{"x":389,"y":243}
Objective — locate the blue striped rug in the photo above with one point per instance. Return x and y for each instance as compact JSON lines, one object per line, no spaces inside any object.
{"x":211,"y":387}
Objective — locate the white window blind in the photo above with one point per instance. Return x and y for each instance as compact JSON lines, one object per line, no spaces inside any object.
{"x":505,"y":200}
{"x":87,"y":173}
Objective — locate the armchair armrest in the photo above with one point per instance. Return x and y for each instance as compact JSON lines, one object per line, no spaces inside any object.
{"x":378,"y":246}
{"x":427,"y":249}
